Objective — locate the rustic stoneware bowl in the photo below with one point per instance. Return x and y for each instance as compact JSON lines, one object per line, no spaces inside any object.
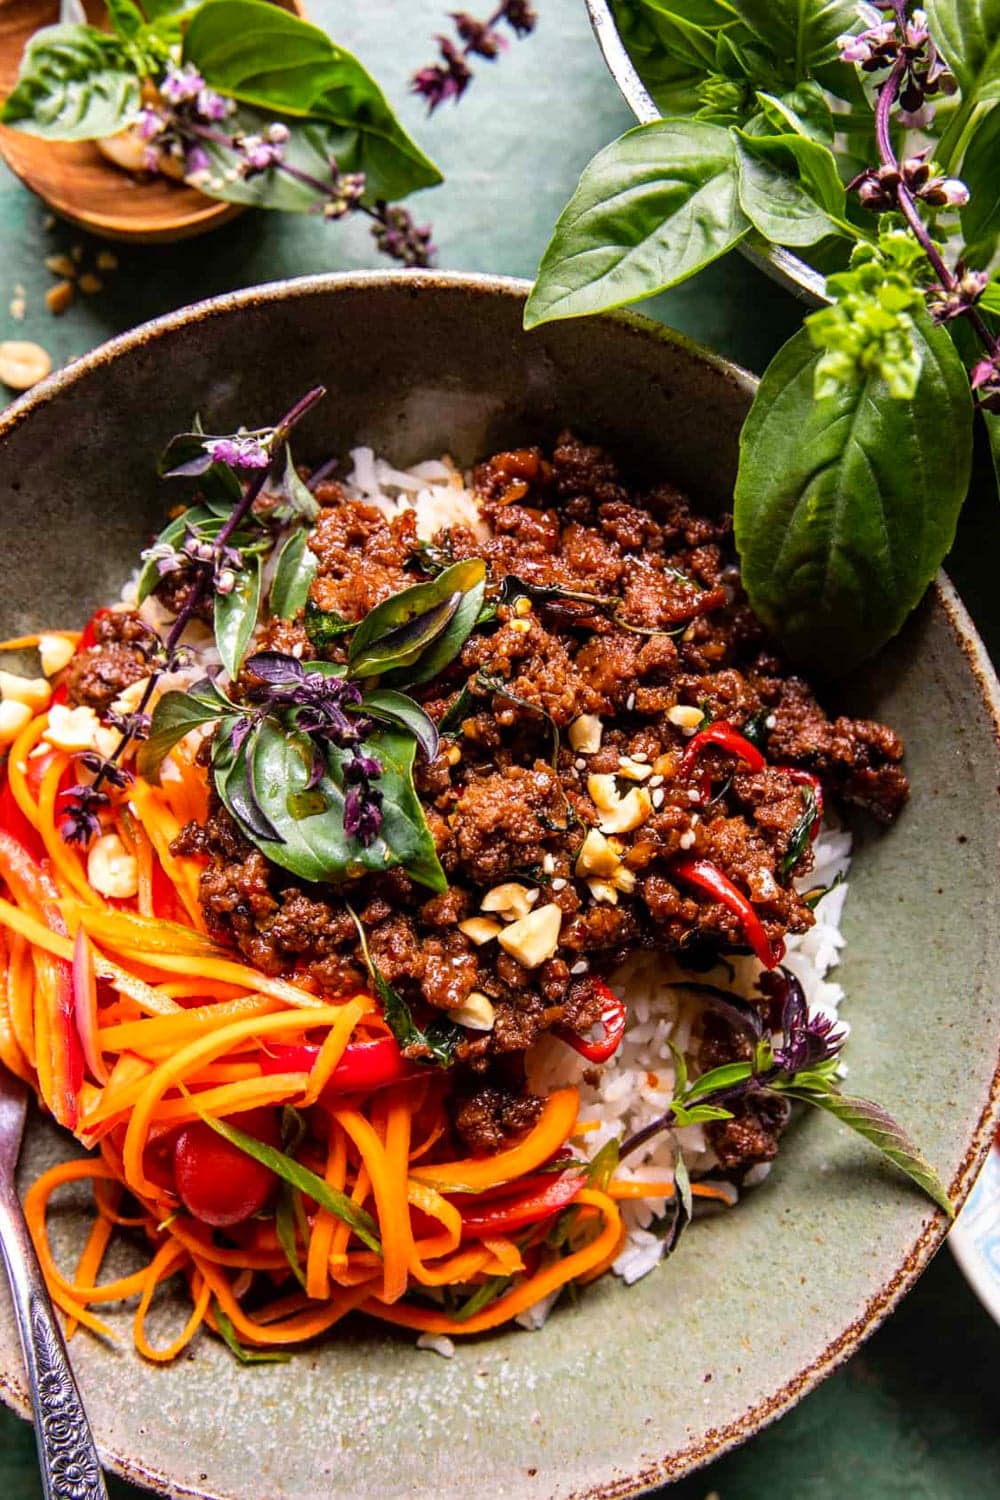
{"x":626,"y":1387}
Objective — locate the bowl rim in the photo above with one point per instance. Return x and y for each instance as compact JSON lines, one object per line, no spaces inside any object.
{"x":716,"y":1441}
{"x":789,"y":270}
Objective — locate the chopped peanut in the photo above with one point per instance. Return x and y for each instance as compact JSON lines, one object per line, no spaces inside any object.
{"x":56,"y":652}
{"x":510,"y":900}
{"x":34,"y":691}
{"x":479,"y":930}
{"x":110,"y":869}
{"x":535,"y":937}
{"x":476,"y":1014}
{"x":584,"y":734}
{"x":13,"y":717}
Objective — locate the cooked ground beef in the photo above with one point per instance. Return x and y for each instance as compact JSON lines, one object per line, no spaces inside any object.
{"x":118,"y":657}
{"x":510,"y":801}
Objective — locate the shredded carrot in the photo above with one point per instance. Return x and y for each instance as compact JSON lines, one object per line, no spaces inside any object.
{"x":23,"y":642}
{"x":17,"y":766}
{"x":474,"y":1174}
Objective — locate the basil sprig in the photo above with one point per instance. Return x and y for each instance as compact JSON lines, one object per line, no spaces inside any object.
{"x":316,"y":767}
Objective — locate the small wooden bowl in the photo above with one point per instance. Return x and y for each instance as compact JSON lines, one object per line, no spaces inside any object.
{"x":80,"y":184}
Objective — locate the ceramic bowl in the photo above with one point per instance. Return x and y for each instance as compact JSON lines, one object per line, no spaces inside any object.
{"x":73,"y":177}
{"x":975,"y":1239}
{"x":626,"y":1387}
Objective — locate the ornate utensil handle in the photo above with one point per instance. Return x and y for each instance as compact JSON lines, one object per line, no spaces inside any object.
{"x":67,"y":1454}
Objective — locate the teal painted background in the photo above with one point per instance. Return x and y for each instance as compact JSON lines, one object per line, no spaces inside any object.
{"x":915,"y":1415}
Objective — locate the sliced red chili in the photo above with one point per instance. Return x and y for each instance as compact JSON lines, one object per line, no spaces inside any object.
{"x":706,"y":876}
{"x":517,"y":1213}
{"x":723,"y":736}
{"x":614,"y":1016}
{"x":365,"y":1066}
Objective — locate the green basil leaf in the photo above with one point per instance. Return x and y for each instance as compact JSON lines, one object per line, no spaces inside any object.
{"x":214,"y":482}
{"x":967,"y":32}
{"x":286,"y":1230}
{"x":292,"y":1171}
{"x":208,"y":520}
{"x":246,"y":1356}
{"x":698,"y":1114}
{"x":796,"y":155}
{"x":717,"y":1078}
{"x":323,"y":627}
{"x":293,"y":574}
{"x":804,"y":110}
{"x":981,"y":215}
{"x":877,"y":1126}
{"x":990,"y":300}
{"x":398,"y":709}
{"x":802,"y":34}
{"x":174,"y":716}
{"x":231,"y":776}
{"x":838,"y":537}
{"x":778,"y":206}
{"x":649,"y":211}
{"x":300,"y":500}
{"x":488,"y":1292}
{"x":236,"y":617}
{"x":449,"y":643}
{"x":127,"y":20}
{"x":992,"y":420}
{"x":800,"y":835}
{"x":75,"y":84}
{"x":316,"y":847}
{"x":263,"y":56}
{"x":691,"y":44}
{"x":398,"y":631}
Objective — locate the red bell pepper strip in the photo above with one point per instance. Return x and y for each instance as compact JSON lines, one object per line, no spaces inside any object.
{"x":28,"y":882}
{"x":724,"y":736}
{"x":613,"y":1018}
{"x":88,"y":636}
{"x":707,"y":877}
{"x":806,"y":778}
{"x":365,"y":1066}
{"x":483,"y":1222}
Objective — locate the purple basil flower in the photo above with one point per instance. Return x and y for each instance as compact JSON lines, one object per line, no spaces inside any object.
{"x":108,"y":770}
{"x":239,"y":452}
{"x":986,"y":383}
{"x":80,"y":810}
{"x":150,"y":124}
{"x":181,"y":85}
{"x":447,"y":79}
{"x":521,"y":17}
{"x":212,"y":107}
{"x":397,"y":235}
{"x":362,"y":814}
{"x":196,"y":161}
{"x":361,"y":767}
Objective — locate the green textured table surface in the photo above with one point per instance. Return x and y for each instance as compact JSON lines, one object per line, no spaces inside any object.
{"x":914,"y":1416}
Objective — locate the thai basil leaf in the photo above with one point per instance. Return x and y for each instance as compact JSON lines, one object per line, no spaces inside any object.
{"x":796,"y":155}
{"x":775,"y":202}
{"x":293,"y":574}
{"x":127,"y":20}
{"x":265,"y":57}
{"x":717,"y":1078}
{"x":75,"y":84}
{"x":981,"y":215}
{"x":990,"y":300}
{"x":459,"y":709}
{"x":231,"y":775}
{"x":802,"y":832}
{"x":838,"y":538}
{"x":402,"y":644}
{"x":299,"y":498}
{"x":208,"y":520}
{"x":293,"y":1172}
{"x":804,"y":110}
{"x":992,"y":421}
{"x":649,"y":211}
{"x":802,"y":34}
{"x":236,"y":617}
{"x":450,"y":642}
{"x":877,"y":1126}
{"x":323,"y":627}
{"x":967,"y":32}
{"x":315,"y":846}
{"x":398,"y":709}
{"x":440,"y":1039}
{"x":398,"y":631}
{"x":174,"y":716}
{"x":488,"y":1292}
{"x":691,"y":44}
{"x":246,"y":1356}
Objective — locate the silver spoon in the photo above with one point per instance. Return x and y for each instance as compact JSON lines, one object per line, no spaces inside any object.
{"x":67,"y":1454}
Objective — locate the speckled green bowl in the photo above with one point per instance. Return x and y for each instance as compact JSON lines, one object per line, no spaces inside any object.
{"x":627,"y":1387}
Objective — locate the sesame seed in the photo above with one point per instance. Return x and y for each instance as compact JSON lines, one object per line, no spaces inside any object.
{"x":558,"y":884}
{"x":581,"y":764}
{"x":297,"y":650}
{"x":531,"y":897}
{"x":687,"y":839}
{"x":548,"y":864}
{"x":658,"y":796}
{"x":655,"y":781}
{"x":640,"y":756}
{"x":694,"y":795}
{"x":770,"y":721}
{"x":581,"y":966}
{"x":630,"y":702}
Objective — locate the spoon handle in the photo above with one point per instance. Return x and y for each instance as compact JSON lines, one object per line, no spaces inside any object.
{"x":67,"y":1454}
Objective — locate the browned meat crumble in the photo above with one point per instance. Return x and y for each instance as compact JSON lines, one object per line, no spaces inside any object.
{"x":678,"y":634}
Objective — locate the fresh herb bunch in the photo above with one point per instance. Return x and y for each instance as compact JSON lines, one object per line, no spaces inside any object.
{"x":867,"y":137}
{"x":288,"y":120}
